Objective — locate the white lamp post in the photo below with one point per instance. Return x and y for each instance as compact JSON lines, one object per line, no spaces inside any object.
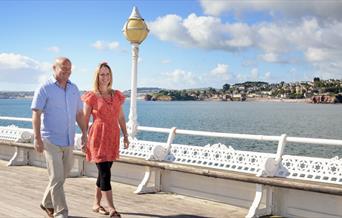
{"x":135,"y":31}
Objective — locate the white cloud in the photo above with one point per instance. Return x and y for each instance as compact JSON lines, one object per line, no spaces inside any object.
{"x":165,"y":61}
{"x":220,"y":71}
{"x":16,"y":68}
{"x":170,"y":28}
{"x":102,"y":45}
{"x":181,"y":76}
{"x":54,"y":49}
{"x":98,"y":45}
{"x":316,"y":54}
{"x":254,"y":76}
{"x":270,"y":57}
{"x":113,"y":45}
{"x":267,"y":77}
{"x":325,"y":9}
{"x":177,"y":79}
{"x":202,"y":31}
{"x":42,"y":78}
{"x":215,"y":7}
{"x":241,"y":78}
{"x":306,"y":40}
{"x":328,"y":70}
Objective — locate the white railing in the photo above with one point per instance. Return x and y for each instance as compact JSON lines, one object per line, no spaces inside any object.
{"x":261,"y":164}
{"x":334,"y":142}
{"x":225,"y":157}
{"x":244,"y":136}
{"x":16,"y":119}
{"x":219,"y":156}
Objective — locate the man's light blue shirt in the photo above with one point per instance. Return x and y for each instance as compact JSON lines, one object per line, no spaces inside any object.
{"x":59,"y":107}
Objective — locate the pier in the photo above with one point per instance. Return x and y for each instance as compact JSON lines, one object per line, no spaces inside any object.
{"x":163,"y":179}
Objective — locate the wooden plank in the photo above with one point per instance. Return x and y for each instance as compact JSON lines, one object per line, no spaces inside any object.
{"x":22,"y":188}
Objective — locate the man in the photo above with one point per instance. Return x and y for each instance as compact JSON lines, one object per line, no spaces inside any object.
{"x":58,"y":100}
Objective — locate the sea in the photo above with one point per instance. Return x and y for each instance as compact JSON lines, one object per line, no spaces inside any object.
{"x":260,"y":118}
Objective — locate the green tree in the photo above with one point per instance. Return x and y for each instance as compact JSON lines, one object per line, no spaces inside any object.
{"x":226,"y":87}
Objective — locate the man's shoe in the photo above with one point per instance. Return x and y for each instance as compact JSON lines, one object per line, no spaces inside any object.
{"x":49,"y":211}
{"x":62,"y":215}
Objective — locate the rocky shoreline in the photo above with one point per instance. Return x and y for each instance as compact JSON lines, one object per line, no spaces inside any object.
{"x":319,"y":99}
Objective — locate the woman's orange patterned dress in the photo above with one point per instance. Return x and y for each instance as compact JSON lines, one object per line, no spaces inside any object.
{"x":104,"y":134}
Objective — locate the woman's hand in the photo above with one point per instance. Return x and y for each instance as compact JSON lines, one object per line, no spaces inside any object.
{"x":84,"y":148}
{"x":126,"y":142}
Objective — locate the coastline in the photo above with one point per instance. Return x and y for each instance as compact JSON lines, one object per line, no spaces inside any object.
{"x":266,"y":100}
{"x":277,"y":100}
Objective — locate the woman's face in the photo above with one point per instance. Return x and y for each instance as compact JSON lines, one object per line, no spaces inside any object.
{"x":104,"y":76}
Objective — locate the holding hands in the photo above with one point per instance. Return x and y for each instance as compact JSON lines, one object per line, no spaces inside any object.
{"x":39,"y":145}
{"x":126,"y":141}
{"x":84,"y":143}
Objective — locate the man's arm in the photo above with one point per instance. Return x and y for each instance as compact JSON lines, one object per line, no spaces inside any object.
{"x":80,"y":119}
{"x":36,"y":119}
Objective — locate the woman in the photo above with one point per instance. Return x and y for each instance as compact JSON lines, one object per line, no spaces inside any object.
{"x":105,"y":106}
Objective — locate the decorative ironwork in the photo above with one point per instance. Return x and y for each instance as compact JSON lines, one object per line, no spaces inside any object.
{"x":14,"y":133}
{"x":218,"y":156}
{"x":310,"y":168}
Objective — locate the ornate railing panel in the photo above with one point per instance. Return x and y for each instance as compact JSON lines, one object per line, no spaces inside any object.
{"x":313,"y":169}
{"x":218,"y":156}
{"x":14,"y":133}
{"x":138,"y":148}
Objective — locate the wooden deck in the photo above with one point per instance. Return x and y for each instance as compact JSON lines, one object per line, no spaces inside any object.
{"x":22,"y":188}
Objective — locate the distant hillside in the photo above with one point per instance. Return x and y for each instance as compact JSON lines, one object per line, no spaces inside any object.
{"x":14,"y":94}
{"x":142,"y":91}
{"x":29,"y":94}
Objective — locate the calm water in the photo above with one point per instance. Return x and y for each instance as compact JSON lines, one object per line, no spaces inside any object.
{"x":262,"y":118}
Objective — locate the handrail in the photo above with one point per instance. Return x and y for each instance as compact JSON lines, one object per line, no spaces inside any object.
{"x":334,"y":142}
{"x":16,"y":119}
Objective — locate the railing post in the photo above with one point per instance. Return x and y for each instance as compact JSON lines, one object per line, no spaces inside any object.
{"x":271,"y":165}
{"x":159,"y":152}
{"x":20,"y":157}
{"x":254,"y":211}
{"x":270,"y":168}
{"x":280,"y":149}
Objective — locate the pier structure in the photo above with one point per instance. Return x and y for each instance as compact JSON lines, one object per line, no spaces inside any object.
{"x":258,"y":183}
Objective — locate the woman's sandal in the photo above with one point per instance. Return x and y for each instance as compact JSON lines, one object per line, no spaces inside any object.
{"x":101,"y":210}
{"x":114,"y":214}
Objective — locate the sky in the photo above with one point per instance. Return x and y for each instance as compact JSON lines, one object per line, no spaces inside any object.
{"x":191,"y":43}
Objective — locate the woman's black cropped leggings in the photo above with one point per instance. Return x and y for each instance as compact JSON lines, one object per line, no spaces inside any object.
{"x":103,"y":178}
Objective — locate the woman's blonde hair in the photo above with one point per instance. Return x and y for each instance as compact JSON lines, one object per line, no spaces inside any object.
{"x":96,"y":77}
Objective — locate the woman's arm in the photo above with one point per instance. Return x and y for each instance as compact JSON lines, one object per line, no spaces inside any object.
{"x":122,"y":123}
{"x":86,"y":112}
{"x":86,"y":116}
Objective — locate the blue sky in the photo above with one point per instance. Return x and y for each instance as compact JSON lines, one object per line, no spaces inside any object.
{"x":191,"y":44}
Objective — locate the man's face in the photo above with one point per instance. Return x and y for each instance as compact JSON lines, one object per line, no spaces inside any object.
{"x":62,"y":71}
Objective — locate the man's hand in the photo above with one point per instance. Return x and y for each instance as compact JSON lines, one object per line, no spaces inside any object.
{"x":39,"y":145}
{"x":84,"y":142}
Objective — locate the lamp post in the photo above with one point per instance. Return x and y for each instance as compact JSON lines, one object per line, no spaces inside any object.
{"x":135,"y":31}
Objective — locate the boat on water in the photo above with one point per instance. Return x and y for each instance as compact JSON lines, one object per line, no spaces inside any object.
{"x":264,"y":183}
